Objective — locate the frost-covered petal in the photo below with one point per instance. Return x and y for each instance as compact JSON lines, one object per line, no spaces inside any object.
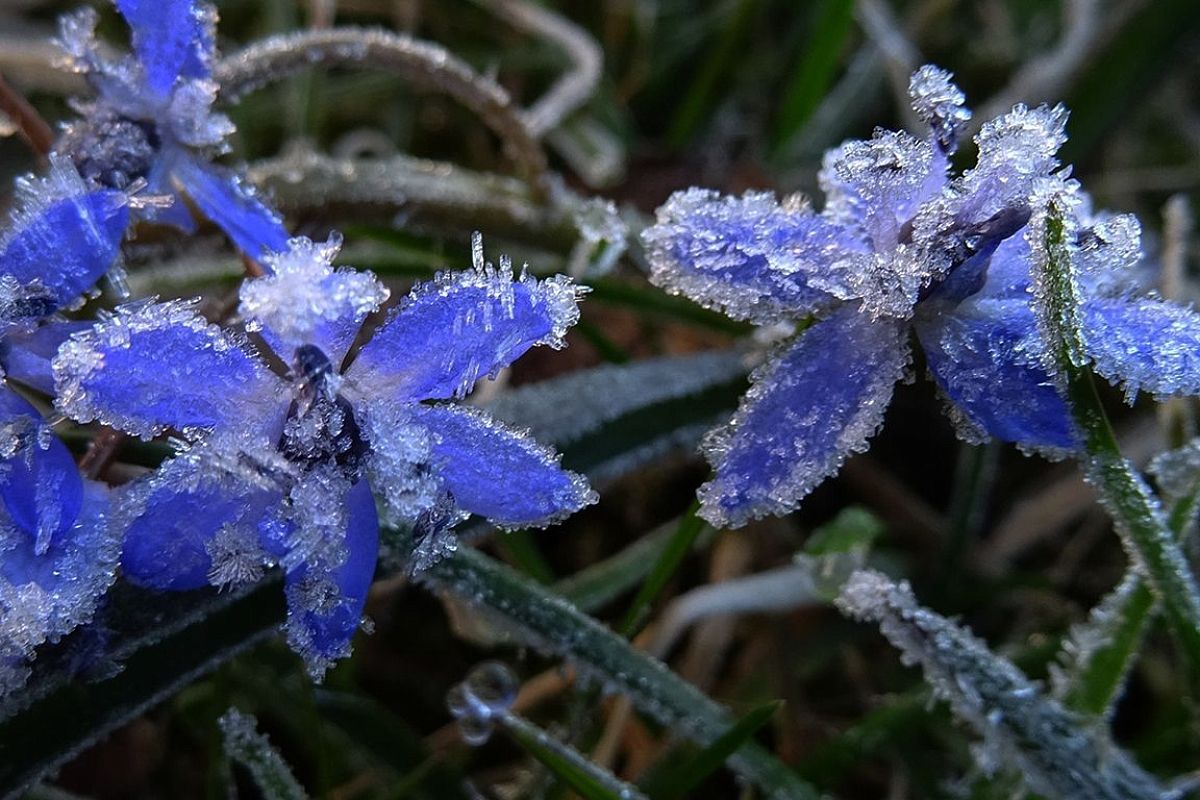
{"x":749,"y":256}
{"x":399,"y":460}
{"x":807,"y":410}
{"x":172,"y":39}
{"x":225,"y":199}
{"x":304,"y":300}
{"x":450,"y":332}
{"x":876,"y":186}
{"x":44,"y":595}
{"x":192,"y":523}
{"x":325,"y":603}
{"x":499,"y":473}
{"x":1144,"y":344}
{"x":65,"y":236}
{"x":39,"y":484}
{"x":26,"y":356}
{"x":986,"y":358}
{"x":156,"y":366}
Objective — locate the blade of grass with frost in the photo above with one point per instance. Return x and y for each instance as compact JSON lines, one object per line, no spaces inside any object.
{"x":1059,"y":753}
{"x":246,"y":746}
{"x":1136,"y":512}
{"x":1100,"y":652}
{"x":590,"y":780}
{"x":549,"y":623}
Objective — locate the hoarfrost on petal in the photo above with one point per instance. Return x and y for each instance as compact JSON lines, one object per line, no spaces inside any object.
{"x":45,"y":595}
{"x":399,"y":463}
{"x":460,"y":327}
{"x":173,"y":39}
{"x":875,"y":187}
{"x":150,"y":367}
{"x":64,"y":235}
{"x":326,"y":599}
{"x":183,"y":521}
{"x":1144,"y":344}
{"x":807,"y":410}
{"x":985,"y":356}
{"x":750,"y":257}
{"x":304,"y":300}
{"x":500,"y":473}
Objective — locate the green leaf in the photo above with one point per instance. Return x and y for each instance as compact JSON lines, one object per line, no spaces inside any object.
{"x":590,"y":780}
{"x":549,"y":623}
{"x":853,"y":529}
{"x":685,"y":775}
{"x":818,"y":61}
{"x":669,"y":559}
{"x":603,"y":581}
{"x":1136,"y":512}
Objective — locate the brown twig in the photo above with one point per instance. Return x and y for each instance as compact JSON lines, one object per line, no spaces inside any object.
{"x":30,"y":125}
{"x":101,"y":451}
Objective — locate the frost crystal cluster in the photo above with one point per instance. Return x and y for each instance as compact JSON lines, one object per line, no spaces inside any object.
{"x":902,"y":245}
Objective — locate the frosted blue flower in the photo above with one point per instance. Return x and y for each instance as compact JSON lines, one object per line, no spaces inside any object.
{"x":281,"y":470}
{"x":57,"y":554}
{"x":152,"y":119}
{"x":902,"y":245}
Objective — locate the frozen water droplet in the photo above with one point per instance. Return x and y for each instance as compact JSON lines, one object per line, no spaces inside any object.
{"x":486,"y":694}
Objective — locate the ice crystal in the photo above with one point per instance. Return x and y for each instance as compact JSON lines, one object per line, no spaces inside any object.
{"x":488,"y":692}
{"x":963,"y":258}
{"x":152,"y":126}
{"x":281,"y":472}
{"x":1058,"y":753}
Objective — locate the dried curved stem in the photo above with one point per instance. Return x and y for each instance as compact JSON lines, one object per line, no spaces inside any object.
{"x":29,"y":123}
{"x":574,"y":88}
{"x":420,"y":62}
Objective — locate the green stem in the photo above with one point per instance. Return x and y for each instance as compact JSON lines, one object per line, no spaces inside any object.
{"x":1138,"y":517}
{"x":549,"y":622}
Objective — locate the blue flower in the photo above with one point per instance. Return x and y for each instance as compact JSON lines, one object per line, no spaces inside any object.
{"x":57,"y":553}
{"x":902,"y":245}
{"x":152,"y":120}
{"x":280,"y":470}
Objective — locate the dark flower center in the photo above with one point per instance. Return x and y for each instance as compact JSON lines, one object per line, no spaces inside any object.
{"x":320,"y":425}
{"x":111,"y":149}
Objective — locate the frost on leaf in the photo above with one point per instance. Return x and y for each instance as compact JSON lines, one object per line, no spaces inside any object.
{"x":808,"y":409}
{"x":304,"y":300}
{"x":751,"y":257}
{"x":244,"y":744}
{"x":1177,"y":471}
{"x":150,"y":367}
{"x":1059,"y":754}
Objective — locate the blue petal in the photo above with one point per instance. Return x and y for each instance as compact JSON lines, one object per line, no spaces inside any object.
{"x":172,"y":39}
{"x":25,"y":356}
{"x":172,"y":520}
{"x":222,"y":196}
{"x":1144,"y":344}
{"x":325,"y":608}
{"x":496,"y":471}
{"x":303,"y":300}
{"x":985,"y":357}
{"x":39,"y":484}
{"x":460,"y":327}
{"x":747,"y":256}
{"x":807,"y":410}
{"x":46,"y":594}
{"x":65,"y":243}
{"x":499,"y":473}
{"x":157,"y":366}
